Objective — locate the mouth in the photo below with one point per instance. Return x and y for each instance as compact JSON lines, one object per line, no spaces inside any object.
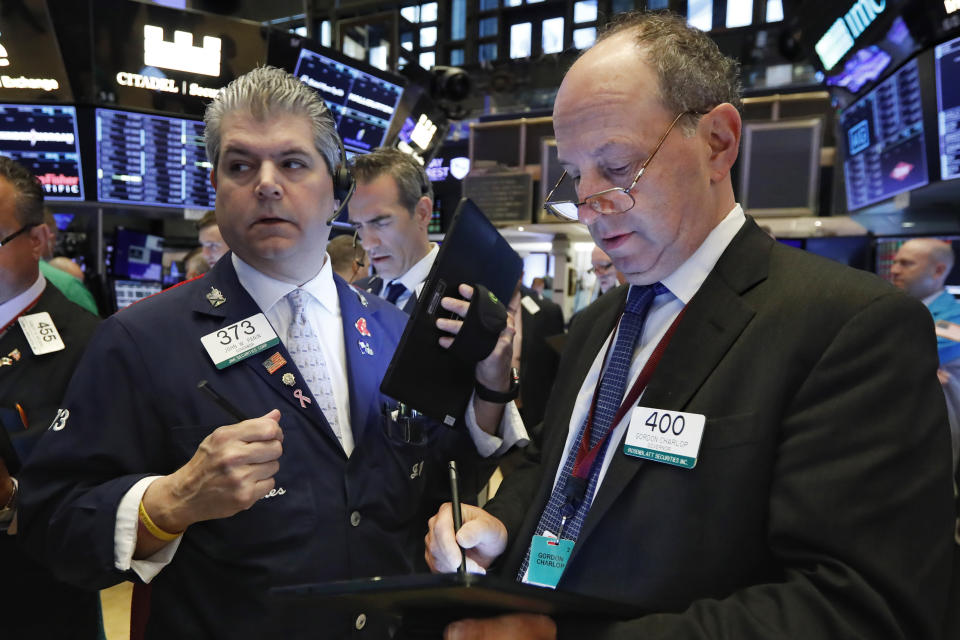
{"x":269,"y":220}
{"x":613,"y":241}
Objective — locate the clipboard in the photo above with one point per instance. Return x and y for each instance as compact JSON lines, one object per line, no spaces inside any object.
{"x":422,"y":374}
{"x":428,"y":602}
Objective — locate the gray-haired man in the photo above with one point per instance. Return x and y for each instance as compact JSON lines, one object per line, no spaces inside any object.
{"x":169,"y":487}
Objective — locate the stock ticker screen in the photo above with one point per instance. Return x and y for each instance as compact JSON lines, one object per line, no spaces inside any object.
{"x":362,"y":104}
{"x":947,"y":58}
{"x":43,"y":138}
{"x":883,"y":134}
{"x":151,"y":160}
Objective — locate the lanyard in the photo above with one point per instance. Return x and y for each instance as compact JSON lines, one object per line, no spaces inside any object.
{"x":575,"y":488}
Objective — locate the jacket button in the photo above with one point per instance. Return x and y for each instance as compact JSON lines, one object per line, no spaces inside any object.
{"x":361,"y":621}
{"x":355,"y":521}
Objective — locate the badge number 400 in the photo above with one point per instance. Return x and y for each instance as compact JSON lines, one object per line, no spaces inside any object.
{"x":666,"y":422}
{"x":235,"y":329}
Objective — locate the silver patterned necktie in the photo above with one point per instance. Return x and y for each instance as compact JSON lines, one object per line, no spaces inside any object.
{"x":307,"y":354}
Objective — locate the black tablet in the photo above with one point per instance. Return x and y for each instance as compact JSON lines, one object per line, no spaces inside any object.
{"x":423,"y":374}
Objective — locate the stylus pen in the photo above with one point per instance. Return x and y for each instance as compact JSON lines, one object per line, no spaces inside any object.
{"x":225,"y":404}
{"x":457,"y":514}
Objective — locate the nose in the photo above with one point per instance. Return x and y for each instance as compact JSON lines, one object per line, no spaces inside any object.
{"x":268,"y":185}
{"x":369,"y":239}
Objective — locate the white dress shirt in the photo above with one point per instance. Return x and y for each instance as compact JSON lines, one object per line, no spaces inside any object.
{"x":323,"y":313}
{"x":12,"y":308}
{"x":414,"y":278}
{"x":683,"y":284}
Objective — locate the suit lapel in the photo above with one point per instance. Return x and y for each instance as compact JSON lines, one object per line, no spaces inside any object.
{"x":365,"y":351}
{"x":712,"y":322}
{"x":237,"y":305}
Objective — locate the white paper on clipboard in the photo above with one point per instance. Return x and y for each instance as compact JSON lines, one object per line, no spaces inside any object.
{"x":948,"y":330}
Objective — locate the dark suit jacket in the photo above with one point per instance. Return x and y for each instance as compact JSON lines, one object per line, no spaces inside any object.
{"x":135,"y":411}
{"x":820,"y":503}
{"x":538,"y":360}
{"x":38,"y":383}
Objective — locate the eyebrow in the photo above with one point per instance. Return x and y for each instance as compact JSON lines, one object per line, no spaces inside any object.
{"x":376,"y":219}
{"x":239,"y":149}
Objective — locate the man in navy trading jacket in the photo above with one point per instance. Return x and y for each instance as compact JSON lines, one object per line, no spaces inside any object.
{"x":747,"y":442}
{"x":143,"y":476}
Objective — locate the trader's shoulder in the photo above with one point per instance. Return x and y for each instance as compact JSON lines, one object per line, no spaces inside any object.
{"x":813,"y":279}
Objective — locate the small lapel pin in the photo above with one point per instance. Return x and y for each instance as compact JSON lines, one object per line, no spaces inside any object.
{"x":304,"y":400}
{"x":215,"y":297}
{"x":273,"y":363}
{"x":363,"y":299}
{"x":365,"y":347}
{"x":10,"y":358}
{"x":288,"y":379}
{"x":361,"y":326}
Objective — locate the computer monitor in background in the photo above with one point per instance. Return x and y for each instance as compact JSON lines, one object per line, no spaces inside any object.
{"x":136,"y":255}
{"x":947,"y":63}
{"x":126,"y":292}
{"x":152,"y":160}
{"x":43,"y":138}
{"x":780,"y":167}
{"x":362,"y":102}
{"x":883,"y":140}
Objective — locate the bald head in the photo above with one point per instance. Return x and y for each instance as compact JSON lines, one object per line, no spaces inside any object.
{"x":607,"y":276}
{"x":921,"y":266}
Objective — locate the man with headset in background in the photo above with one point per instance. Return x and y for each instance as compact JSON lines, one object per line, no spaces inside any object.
{"x":391,"y":210}
{"x":211,"y":516}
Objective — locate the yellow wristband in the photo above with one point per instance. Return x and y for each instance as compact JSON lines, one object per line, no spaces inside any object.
{"x":154,"y":530}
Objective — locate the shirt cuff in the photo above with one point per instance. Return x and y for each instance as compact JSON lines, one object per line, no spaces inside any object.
{"x":125,"y":536}
{"x":511,"y":430}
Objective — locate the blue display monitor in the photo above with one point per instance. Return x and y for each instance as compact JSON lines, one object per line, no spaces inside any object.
{"x":362,"y":103}
{"x":43,"y":138}
{"x":137,"y":255}
{"x":152,"y":160}
{"x":947,"y":57}
{"x":883,"y":139}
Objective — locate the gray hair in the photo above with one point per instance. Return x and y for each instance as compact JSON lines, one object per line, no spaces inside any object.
{"x":29,"y":191}
{"x":262,"y":93}
{"x":411,"y":179}
{"x":693,"y":74}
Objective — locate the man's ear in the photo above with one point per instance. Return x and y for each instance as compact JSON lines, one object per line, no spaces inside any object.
{"x":423,"y":211}
{"x":213,"y":178}
{"x":38,"y":240}
{"x":723,"y":135}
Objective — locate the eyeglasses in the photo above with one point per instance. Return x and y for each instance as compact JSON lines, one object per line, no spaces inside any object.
{"x":600,"y":268}
{"x":18,"y":232}
{"x":613,"y":200}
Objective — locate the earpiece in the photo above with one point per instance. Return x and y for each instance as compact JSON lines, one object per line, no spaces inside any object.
{"x":343,"y":183}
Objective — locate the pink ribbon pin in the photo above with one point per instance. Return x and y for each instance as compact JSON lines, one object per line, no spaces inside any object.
{"x":304,"y":401}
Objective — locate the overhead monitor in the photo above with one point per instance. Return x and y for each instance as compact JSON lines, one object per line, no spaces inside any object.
{"x":31,"y":67}
{"x":43,"y":138}
{"x":362,"y":103}
{"x":947,"y":57}
{"x":151,"y":160}
{"x":158,"y":58}
{"x":780,"y":170}
{"x":883,"y":139}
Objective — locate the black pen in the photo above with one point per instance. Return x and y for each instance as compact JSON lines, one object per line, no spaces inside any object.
{"x":457,"y":514}
{"x":225,"y":404}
